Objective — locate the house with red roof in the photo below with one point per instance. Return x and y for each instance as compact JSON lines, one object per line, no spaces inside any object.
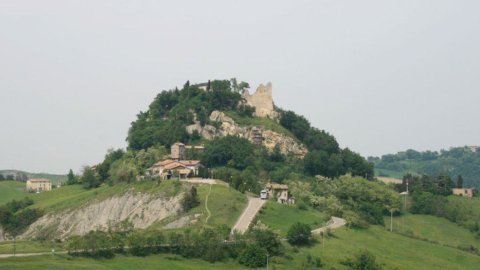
{"x":168,"y":169}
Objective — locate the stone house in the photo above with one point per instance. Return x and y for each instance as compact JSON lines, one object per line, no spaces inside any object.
{"x":465,"y":192}
{"x":279,"y":192}
{"x":39,"y":185}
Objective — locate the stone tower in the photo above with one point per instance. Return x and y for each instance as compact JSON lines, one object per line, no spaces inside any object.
{"x":177,"y":150}
{"x":262,"y":100}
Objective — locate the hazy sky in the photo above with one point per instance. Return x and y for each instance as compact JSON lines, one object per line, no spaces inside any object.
{"x":382,"y":76}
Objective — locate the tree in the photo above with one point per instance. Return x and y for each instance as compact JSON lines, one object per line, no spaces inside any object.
{"x":299,"y":234}
{"x":71,"y":179}
{"x":459,"y":181}
{"x":190,"y":200}
{"x":253,"y":256}
{"x":89,"y":179}
{"x":2,"y":177}
{"x":267,"y":240}
{"x":363,"y":261}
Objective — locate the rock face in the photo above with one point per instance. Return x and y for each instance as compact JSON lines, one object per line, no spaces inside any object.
{"x":142,"y":210}
{"x":255,"y":134}
{"x":262,"y":100}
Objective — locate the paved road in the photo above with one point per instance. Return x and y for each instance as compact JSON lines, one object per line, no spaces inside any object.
{"x":204,"y":181}
{"x":254,"y":205}
{"x":334,"y":223}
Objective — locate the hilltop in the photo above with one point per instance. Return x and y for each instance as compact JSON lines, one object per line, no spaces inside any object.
{"x":241,"y":142}
{"x":464,"y":161}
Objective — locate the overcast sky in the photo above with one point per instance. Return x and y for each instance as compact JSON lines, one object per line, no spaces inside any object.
{"x":381,"y":76}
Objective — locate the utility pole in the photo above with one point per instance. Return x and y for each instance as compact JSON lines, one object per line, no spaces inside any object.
{"x":391,"y":219}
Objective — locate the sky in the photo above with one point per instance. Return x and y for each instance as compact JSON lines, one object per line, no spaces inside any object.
{"x":381,"y":76}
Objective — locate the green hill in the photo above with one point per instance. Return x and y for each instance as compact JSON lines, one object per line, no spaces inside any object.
{"x":464,"y":161}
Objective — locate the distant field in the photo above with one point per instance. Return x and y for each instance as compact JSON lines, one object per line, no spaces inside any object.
{"x":10,"y":190}
{"x":280,"y":216}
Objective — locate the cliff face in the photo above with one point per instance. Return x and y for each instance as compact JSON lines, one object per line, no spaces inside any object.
{"x":255,"y":134}
{"x":142,"y":210}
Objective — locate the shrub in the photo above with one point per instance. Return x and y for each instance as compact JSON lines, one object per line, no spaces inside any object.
{"x":299,"y":234}
{"x":253,"y":256}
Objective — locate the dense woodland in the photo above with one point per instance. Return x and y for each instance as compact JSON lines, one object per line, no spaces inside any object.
{"x":456,"y":161}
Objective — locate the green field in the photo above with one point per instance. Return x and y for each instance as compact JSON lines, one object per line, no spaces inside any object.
{"x":433,"y":229}
{"x":10,"y":190}
{"x":6,"y":247}
{"x":58,"y":262}
{"x":281,"y":216}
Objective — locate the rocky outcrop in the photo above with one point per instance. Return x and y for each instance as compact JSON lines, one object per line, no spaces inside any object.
{"x":255,"y":134}
{"x":262,"y":100}
{"x":141,"y":210}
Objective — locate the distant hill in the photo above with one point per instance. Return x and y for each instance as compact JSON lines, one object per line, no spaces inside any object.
{"x":464,"y":161}
{"x":23,"y":176}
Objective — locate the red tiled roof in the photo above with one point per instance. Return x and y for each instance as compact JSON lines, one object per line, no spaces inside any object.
{"x":163,"y":163}
{"x":174,"y":166}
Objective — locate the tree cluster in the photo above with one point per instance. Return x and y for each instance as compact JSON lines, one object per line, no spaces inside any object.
{"x":210,"y":244}
{"x":15,"y":217}
{"x":325,"y":156}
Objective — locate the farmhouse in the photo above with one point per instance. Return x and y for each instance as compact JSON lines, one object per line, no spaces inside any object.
{"x":278,"y":192}
{"x":465,"y":192}
{"x":39,"y":185}
{"x":170,"y":168}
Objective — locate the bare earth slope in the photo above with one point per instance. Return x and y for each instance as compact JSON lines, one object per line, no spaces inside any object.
{"x":141,"y":209}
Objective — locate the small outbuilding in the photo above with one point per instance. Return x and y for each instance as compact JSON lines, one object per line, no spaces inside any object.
{"x":279,"y":192}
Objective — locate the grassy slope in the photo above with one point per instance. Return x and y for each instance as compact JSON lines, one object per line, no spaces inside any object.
{"x":391,"y":249}
{"x":225,"y":205}
{"x":76,"y":195}
{"x":433,"y":229}
{"x":280,"y":216}
{"x":10,"y":190}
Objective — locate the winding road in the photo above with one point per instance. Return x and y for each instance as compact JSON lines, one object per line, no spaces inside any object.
{"x":333,"y":223}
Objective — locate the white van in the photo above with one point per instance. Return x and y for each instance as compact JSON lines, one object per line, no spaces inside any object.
{"x":264,"y":194}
